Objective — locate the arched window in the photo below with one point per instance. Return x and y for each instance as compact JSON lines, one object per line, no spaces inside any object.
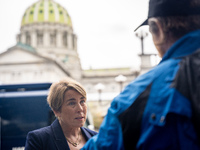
{"x":28,"y":39}
{"x":65,"y":43}
{"x":39,"y":39}
{"x":53,"y":39}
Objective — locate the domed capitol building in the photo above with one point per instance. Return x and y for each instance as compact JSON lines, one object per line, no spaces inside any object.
{"x":46,"y":51}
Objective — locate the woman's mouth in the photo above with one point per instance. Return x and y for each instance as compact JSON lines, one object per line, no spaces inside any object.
{"x":79,"y":118}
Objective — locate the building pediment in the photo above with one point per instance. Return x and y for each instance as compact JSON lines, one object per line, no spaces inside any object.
{"x":22,"y":64}
{"x":19,"y":54}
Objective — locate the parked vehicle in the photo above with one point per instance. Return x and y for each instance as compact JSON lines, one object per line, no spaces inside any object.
{"x":23,"y":107}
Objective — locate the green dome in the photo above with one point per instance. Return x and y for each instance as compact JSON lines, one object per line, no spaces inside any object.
{"x":46,"y":11}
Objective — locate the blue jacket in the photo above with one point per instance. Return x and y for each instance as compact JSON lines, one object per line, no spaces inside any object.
{"x":51,"y":138}
{"x":160,"y":109}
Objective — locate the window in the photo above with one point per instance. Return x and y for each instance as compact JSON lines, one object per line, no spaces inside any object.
{"x":19,"y":37}
{"x":73,"y":40}
{"x":53,"y":39}
{"x":65,"y":39}
{"x":39,"y":39}
{"x":28,"y":39}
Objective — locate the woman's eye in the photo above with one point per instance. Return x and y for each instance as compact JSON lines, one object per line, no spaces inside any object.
{"x":71,"y":103}
{"x":83,"y":101}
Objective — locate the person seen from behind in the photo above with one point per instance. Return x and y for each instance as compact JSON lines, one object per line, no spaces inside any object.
{"x":160,"y":110}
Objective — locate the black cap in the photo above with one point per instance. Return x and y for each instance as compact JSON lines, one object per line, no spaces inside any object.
{"x":163,"y":8}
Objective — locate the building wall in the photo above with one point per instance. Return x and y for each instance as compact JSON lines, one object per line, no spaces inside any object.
{"x":29,"y":73}
{"x":111,"y":87}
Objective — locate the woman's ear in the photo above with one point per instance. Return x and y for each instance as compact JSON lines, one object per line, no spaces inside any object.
{"x":56,"y":113}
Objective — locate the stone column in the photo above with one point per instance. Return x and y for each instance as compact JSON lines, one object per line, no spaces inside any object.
{"x":46,"y":38}
{"x":34,"y":39}
{"x":75,"y":42}
{"x":59,"y":39}
{"x":69,"y":41}
{"x":23,"y":38}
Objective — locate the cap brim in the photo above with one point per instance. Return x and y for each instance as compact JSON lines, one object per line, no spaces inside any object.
{"x":144,"y":23}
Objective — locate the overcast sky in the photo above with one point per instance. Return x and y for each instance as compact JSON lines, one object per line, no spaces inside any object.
{"x":105,"y":29}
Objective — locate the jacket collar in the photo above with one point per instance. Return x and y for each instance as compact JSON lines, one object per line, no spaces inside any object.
{"x":184,"y":46}
{"x":60,"y":140}
{"x":86,"y":133}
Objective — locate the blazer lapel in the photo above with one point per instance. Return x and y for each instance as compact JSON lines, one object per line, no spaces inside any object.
{"x":60,"y":141}
{"x":86,"y":134}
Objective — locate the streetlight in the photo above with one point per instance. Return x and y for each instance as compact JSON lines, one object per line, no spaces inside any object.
{"x":120,"y":79}
{"x":99,"y":87}
{"x":142,"y":35}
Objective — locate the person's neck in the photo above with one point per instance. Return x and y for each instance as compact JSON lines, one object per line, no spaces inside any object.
{"x":73,"y":136}
{"x":163,"y":48}
{"x":68,"y":132}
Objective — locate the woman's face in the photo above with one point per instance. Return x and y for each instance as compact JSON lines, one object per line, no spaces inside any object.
{"x":73,"y":112}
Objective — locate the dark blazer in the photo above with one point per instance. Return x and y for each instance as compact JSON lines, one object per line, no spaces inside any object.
{"x":52,"y":138}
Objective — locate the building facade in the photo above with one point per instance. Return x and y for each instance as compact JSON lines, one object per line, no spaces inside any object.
{"x":46,"y":51}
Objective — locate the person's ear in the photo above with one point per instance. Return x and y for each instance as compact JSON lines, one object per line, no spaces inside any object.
{"x":156,"y":30}
{"x":56,"y":113}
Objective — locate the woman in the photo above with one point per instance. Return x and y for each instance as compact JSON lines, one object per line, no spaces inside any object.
{"x":67,"y":99}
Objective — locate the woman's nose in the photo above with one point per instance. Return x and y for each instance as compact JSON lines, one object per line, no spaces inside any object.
{"x":80,"y":108}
